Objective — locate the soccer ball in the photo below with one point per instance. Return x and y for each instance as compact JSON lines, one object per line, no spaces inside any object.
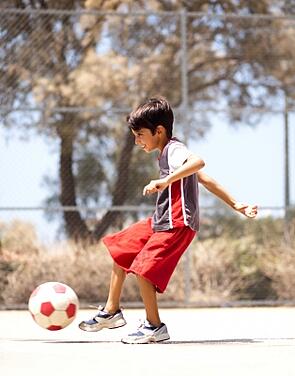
{"x":53,"y":305}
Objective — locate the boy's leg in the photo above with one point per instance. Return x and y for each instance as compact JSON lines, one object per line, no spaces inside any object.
{"x":152,"y":330}
{"x":117,"y":279}
{"x":110,"y":316}
{"x":149,"y":298}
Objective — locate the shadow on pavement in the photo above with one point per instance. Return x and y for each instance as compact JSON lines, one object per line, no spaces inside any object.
{"x":180,"y":342}
{"x":235,"y":341}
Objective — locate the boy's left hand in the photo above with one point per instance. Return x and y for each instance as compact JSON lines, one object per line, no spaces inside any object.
{"x":155,"y":186}
{"x":249,"y":211}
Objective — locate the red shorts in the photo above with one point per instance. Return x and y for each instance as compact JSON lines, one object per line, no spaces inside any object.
{"x":152,"y":255}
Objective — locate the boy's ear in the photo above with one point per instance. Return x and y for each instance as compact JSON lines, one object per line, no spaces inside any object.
{"x":160,"y":129}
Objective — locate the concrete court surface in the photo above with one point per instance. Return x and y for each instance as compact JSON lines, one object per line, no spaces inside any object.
{"x":216,"y":341}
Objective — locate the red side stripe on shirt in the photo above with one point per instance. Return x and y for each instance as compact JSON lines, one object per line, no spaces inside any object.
{"x":176,"y":204}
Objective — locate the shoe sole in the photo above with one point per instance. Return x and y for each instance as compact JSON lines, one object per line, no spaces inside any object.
{"x":97,"y":327}
{"x":146,"y":340}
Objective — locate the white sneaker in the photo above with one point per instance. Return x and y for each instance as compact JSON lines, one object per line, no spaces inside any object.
{"x":147,"y":333}
{"x":103,"y":320}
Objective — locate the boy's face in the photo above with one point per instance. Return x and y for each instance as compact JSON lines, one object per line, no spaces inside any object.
{"x":146,"y":140}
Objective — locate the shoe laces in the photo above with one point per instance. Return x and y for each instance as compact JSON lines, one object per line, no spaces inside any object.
{"x":144,"y":323}
{"x":98,"y":308}
{"x":101,"y":307}
{"x":140,"y":323}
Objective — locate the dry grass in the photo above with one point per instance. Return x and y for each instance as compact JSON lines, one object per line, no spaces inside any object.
{"x":25,"y":263}
{"x":85,"y":268}
{"x":279,"y":265}
{"x":221,"y":269}
{"x":216,"y":274}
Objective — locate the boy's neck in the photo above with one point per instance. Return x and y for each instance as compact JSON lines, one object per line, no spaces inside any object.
{"x":163,"y":143}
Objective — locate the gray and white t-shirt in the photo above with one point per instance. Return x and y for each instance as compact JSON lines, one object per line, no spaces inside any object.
{"x":178,"y":204}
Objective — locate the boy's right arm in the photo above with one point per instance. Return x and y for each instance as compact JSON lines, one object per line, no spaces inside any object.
{"x":211,"y":185}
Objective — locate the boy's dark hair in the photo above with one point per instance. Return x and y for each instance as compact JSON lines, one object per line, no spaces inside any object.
{"x":154,"y":112}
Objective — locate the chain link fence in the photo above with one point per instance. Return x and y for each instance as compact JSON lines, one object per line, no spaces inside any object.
{"x":69,"y":78}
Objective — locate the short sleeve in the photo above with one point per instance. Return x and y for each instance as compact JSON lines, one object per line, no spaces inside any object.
{"x":177,"y":155}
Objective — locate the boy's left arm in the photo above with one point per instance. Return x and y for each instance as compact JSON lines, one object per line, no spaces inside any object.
{"x":190,"y":167}
{"x":211,"y":185}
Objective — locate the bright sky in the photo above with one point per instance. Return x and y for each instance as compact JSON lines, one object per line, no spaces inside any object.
{"x":249,"y":162}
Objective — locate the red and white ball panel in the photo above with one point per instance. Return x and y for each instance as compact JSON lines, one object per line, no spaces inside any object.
{"x":53,"y":305}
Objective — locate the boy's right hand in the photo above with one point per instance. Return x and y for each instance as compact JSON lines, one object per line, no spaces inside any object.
{"x":155,"y":186}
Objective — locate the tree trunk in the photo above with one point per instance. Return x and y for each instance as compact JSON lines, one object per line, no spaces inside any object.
{"x":76,"y":227}
{"x":120,"y":191}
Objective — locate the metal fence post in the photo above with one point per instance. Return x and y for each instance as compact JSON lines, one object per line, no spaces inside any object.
{"x":184,"y":117}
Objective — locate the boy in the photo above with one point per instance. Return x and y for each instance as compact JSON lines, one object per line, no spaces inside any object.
{"x":152,"y":248}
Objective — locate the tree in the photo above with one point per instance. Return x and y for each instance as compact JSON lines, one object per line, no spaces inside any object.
{"x":50,"y":78}
{"x":65,"y":61}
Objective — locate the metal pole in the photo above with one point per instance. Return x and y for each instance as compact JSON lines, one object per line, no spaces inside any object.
{"x":184,"y":71}
{"x":286,"y":157}
{"x":184,"y":117}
